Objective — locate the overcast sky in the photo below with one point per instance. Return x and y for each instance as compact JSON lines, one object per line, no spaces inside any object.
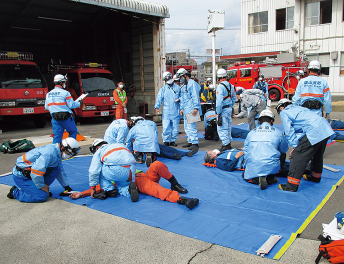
{"x":192,"y":15}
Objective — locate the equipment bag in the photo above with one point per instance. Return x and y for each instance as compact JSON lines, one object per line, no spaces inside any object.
{"x":332,"y":250}
{"x":21,"y":145}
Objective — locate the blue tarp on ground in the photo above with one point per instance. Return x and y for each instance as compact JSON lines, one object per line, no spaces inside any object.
{"x":231,"y":213}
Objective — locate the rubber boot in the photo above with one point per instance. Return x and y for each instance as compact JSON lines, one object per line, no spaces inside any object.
{"x":188,"y":202}
{"x":134,"y":194}
{"x":225,"y":147}
{"x":10,"y":194}
{"x":173,"y":144}
{"x":149,"y":158}
{"x":139,"y":157}
{"x":166,"y":143}
{"x":193,"y":150}
{"x":187,"y":145}
{"x":175,"y":186}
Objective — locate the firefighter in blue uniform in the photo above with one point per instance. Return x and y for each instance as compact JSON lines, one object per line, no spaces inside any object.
{"x":313,"y":92}
{"x":307,"y":133}
{"x":261,"y":84}
{"x":117,"y":131}
{"x":38,"y":168}
{"x":59,"y":102}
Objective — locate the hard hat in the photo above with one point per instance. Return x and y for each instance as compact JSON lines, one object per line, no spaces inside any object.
{"x":208,"y":79}
{"x":314,"y":65}
{"x":135,"y":119}
{"x":167,"y":76}
{"x":59,"y":78}
{"x":96,"y":143}
{"x":221,"y":73}
{"x":71,"y":145}
{"x":181,"y":72}
{"x":261,"y":75}
{"x":283,"y":102}
{"x":268,"y":113}
{"x":175,"y":78}
{"x":300,"y":72}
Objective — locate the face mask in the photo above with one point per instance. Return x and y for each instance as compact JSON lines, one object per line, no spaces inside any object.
{"x":121,"y":86}
{"x":182,"y":80}
{"x":260,"y":79}
{"x":66,"y":156}
{"x":64,"y":85}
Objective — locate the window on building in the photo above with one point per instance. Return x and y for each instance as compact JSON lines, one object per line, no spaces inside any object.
{"x":324,"y":60}
{"x":285,"y":18}
{"x":342,"y":63}
{"x":245,"y":72}
{"x":319,"y":13}
{"x":258,"y":22}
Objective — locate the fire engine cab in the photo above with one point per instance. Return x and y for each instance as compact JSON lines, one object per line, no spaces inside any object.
{"x":97,"y":82}
{"x":23,"y":88}
{"x":282,"y":78}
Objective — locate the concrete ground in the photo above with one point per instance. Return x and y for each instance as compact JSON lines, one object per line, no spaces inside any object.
{"x":60,"y":232}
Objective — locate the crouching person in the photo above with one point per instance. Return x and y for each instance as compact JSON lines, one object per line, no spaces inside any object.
{"x":113,"y":167}
{"x":148,"y":183}
{"x":36,"y":170}
{"x":264,"y":148}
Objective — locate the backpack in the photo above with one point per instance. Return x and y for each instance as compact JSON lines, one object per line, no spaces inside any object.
{"x":332,"y":250}
{"x":21,"y":145}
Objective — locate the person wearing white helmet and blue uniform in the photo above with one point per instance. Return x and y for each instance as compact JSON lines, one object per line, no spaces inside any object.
{"x":170,"y":96}
{"x":117,"y":131}
{"x":261,"y":84}
{"x":36,"y":170}
{"x":307,"y":133}
{"x":225,"y":100}
{"x":59,"y":103}
{"x":313,"y":92}
{"x":263,"y":151}
{"x":189,"y":104}
{"x":143,"y":138}
{"x":113,"y":167}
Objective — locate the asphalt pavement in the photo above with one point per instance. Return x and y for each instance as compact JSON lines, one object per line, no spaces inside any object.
{"x":60,"y":232}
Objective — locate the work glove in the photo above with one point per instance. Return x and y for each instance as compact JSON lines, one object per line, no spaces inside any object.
{"x":219,"y":120}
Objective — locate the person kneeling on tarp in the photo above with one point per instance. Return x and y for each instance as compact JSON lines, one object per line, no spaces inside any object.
{"x":148,"y":183}
{"x":117,"y":131}
{"x":36,"y":170}
{"x":264,"y":148}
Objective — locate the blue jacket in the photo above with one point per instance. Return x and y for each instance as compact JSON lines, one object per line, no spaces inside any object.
{"x":222,"y":93}
{"x":39,"y":159}
{"x":263,"y":147}
{"x":60,"y":100}
{"x":209,"y":116}
{"x":228,"y":162}
{"x":313,"y":88}
{"x":117,"y":131}
{"x":110,"y":155}
{"x":145,"y":135}
{"x":168,"y":94}
{"x":189,"y":99}
{"x":299,"y":121}
{"x":262,"y":86}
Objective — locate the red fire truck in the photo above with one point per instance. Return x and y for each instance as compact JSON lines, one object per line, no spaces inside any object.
{"x":174,"y":68}
{"x":23,"y":88}
{"x":98,"y":82}
{"x":282,"y":78}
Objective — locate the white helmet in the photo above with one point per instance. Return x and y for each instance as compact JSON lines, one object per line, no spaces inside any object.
{"x":70,"y":145}
{"x":59,"y":78}
{"x":175,"y":78}
{"x":221,"y":73}
{"x":96,"y":143}
{"x":167,"y":76}
{"x":268,"y":113}
{"x":283,"y":102}
{"x":300,"y":72}
{"x":314,"y":65}
{"x":135,"y":119}
{"x":181,"y":72}
{"x":208,"y":79}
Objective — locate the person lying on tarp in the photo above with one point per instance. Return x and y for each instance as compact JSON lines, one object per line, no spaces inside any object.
{"x":336,"y":123}
{"x":37,"y":169}
{"x":210,"y":127}
{"x":148,"y":183}
{"x":228,"y":160}
{"x":265,"y":151}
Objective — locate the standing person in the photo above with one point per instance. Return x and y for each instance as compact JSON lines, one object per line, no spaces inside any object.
{"x":225,"y":100}
{"x":204,"y":86}
{"x":251,"y":98}
{"x":169,"y":95}
{"x":59,"y":103}
{"x":261,"y":84}
{"x":117,"y":131}
{"x":189,"y":104}
{"x":143,"y":138}
{"x":36,"y":170}
{"x":307,"y":133}
{"x":264,"y":152}
{"x":313,"y":92}
{"x":113,"y":167}
{"x":121,"y":100}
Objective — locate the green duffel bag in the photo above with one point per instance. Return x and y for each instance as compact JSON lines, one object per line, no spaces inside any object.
{"x":21,"y":145}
